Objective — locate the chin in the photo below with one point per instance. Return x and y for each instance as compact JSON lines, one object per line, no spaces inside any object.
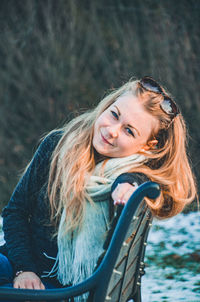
{"x":101,"y":153}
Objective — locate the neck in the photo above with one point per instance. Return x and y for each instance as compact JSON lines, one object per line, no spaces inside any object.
{"x":98,"y":157}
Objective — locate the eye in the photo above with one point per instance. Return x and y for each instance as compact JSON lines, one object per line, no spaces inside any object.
{"x":129,"y":131}
{"x":115,"y":114}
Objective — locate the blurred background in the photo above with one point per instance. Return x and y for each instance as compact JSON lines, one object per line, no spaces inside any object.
{"x":60,"y":57}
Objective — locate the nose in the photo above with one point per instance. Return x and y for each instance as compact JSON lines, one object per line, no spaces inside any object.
{"x":113,"y":131}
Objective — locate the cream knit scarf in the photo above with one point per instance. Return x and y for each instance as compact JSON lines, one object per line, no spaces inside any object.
{"x":78,"y":252}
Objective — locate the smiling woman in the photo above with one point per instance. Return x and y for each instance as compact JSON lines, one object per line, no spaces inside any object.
{"x":135,"y":133}
{"x":124,"y":128}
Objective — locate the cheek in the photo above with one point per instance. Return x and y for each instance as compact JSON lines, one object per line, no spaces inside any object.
{"x":125,"y":143}
{"x":130,"y":145}
{"x":103,"y":120}
{"x":97,"y":123}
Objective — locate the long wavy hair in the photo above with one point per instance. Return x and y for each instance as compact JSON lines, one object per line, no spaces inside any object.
{"x":73,"y":160}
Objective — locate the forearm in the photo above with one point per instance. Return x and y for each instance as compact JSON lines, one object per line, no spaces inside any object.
{"x":130,"y":178}
{"x":23,"y":206}
{"x":18,"y":241}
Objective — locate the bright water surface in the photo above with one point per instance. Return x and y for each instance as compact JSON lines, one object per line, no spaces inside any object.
{"x":172,"y":260}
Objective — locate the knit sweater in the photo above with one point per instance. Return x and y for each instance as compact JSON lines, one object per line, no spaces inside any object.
{"x":26,"y":218}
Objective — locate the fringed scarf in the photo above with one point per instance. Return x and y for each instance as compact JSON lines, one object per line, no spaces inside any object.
{"x":78,"y":251}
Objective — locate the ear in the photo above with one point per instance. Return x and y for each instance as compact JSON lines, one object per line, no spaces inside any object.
{"x":150,"y":145}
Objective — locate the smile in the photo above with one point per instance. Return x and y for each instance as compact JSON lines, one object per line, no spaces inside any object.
{"x":105,"y":140}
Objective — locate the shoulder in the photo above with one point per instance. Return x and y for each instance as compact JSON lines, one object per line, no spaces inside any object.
{"x":45,"y":148}
{"x":52,"y":138}
{"x":49,"y":142}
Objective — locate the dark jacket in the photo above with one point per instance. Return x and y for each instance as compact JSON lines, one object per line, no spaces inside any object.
{"x":26,"y":218}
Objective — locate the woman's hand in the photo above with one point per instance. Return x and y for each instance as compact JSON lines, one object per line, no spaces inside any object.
{"x":28,"y":280}
{"x":123,"y":192}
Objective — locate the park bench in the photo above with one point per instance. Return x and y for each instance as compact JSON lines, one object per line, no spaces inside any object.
{"x":117,"y":277}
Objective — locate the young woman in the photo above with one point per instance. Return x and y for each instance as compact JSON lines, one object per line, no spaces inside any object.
{"x":63,"y":204}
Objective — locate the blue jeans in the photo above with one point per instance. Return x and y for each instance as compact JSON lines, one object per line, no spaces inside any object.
{"x":6,"y":275}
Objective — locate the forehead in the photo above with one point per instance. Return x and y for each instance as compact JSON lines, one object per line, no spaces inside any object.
{"x":134,"y":113}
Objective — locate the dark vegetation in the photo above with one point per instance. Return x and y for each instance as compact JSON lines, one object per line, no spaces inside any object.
{"x":58,"y":57}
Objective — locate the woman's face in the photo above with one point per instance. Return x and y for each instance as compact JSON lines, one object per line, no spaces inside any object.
{"x":124,"y":128}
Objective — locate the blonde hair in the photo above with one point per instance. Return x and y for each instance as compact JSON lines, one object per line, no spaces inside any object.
{"x":73,"y":160}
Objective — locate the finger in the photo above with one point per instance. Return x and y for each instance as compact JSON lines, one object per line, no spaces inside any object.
{"x":120,"y":191}
{"x":36,"y":284}
{"x":19,"y":284}
{"x":16,"y":284}
{"x":42,"y":285}
{"x":115,"y":193}
{"x":22,"y":284}
{"x":29,"y":284}
{"x":128,"y":194}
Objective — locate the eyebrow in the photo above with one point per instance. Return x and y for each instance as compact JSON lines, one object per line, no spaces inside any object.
{"x":119,"y":113}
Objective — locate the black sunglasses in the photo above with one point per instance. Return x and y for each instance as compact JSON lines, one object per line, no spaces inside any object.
{"x":167,"y":105}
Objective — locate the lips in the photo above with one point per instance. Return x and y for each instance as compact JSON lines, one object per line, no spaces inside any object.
{"x":105,"y":140}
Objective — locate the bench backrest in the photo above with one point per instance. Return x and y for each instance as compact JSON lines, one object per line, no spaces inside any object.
{"x":125,"y":280}
{"x":117,"y":278}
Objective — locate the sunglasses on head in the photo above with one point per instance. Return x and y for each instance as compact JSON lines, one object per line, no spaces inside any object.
{"x":167,"y":105}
